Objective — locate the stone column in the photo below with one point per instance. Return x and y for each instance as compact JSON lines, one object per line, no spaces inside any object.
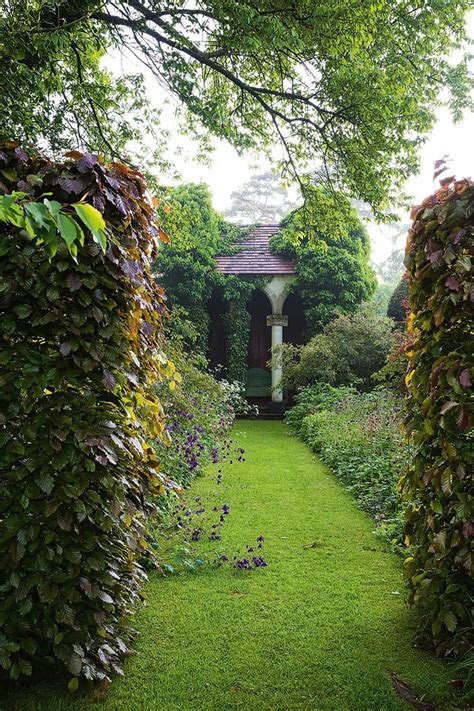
{"x":276,"y":321}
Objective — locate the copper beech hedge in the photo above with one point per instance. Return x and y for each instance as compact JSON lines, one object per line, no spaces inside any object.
{"x":438,"y":487}
{"x":80,"y":333}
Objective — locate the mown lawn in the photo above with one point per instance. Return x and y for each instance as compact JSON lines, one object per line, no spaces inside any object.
{"x":320,"y":628}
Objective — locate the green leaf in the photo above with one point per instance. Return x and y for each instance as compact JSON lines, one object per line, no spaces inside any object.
{"x":73,"y":684}
{"x":68,"y":229}
{"x":38,"y":213}
{"x":9,"y":173}
{"x":53,"y":206}
{"x":46,"y":483}
{"x":450,"y":621}
{"x":94,"y":221}
{"x":25,"y":667}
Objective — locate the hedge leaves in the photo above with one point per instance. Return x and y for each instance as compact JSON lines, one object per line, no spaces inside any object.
{"x":80,"y":333}
{"x":438,"y":485}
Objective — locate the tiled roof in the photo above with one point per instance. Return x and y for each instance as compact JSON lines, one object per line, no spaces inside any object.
{"x":255,"y":257}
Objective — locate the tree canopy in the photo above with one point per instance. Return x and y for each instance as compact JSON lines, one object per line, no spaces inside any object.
{"x":346,"y":87}
{"x":333,"y":274}
{"x":261,"y":199}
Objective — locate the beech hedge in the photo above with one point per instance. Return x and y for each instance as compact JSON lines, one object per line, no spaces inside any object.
{"x":438,"y":485}
{"x":80,"y":333}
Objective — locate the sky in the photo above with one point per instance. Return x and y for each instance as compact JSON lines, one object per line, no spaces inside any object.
{"x":226,"y":171}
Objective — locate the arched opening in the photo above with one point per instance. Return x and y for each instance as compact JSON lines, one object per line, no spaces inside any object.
{"x":258,"y":377}
{"x":217,"y":345}
{"x":295,"y":332}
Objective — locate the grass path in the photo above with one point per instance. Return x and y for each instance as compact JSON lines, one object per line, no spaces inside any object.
{"x":319,"y":629}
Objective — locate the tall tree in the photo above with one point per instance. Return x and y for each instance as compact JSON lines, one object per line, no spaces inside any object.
{"x":392,"y":268}
{"x":262,"y":199}
{"x":349,"y":86}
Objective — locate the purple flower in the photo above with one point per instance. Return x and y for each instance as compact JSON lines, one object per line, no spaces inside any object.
{"x":243,"y":564}
{"x":260,"y":539}
{"x":259,"y":562}
{"x":196,"y":535}
{"x":226,"y":509}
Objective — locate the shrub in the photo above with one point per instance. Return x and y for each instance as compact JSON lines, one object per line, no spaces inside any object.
{"x":393,"y":373}
{"x":398,"y":303}
{"x":438,"y":484}
{"x":347,"y":352}
{"x":79,"y":329}
{"x":359,"y":438}
{"x":313,"y":399}
{"x":198,"y":418}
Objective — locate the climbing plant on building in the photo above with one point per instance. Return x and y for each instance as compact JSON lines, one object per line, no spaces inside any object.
{"x":80,"y":334}
{"x":186,"y":268}
{"x":438,"y":484}
{"x":333,"y":272}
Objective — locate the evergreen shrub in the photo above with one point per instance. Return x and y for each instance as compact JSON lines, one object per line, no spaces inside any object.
{"x":359,"y":437}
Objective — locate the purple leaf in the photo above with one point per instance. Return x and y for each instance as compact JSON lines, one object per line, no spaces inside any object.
{"x":73,"y":185}
{"x":459,"y":235}
{"x":108,"y":379}
{"x":409,"y":695}
{"x":73,"y":282}
{"x":435,"y":256}
{"x":465,"y":378}
{"x":23,"y":186}
{"x":130,"y":268}
{"x":452,"y":283}
{"x":147,"y":328}
{"x":88,"y":161}
{"x":99,"y":203}
{"x":114,"y":184}
{"x":21,"y":155}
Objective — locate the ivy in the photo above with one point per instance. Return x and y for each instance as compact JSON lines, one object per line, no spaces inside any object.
{"x":438,"y":484}
{"x":187,"y":270}
{"x":332,"y":258}
{"x":237,"y":293}
{"x":80,"y":338}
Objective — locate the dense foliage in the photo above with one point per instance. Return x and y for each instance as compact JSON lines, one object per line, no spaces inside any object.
{"x":186,"y":265}
{"x":187,"y":270}
{"x":348,"y":351}
{"x":398,"y":304}
{"x":80,"y":328}
{"x":56,"y":89}
{"x":438,"y":483}
{"x":343,"y":84}
{"x":333,"y":274}
{"x":199,"y":413}
{"x":359,"y":438}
